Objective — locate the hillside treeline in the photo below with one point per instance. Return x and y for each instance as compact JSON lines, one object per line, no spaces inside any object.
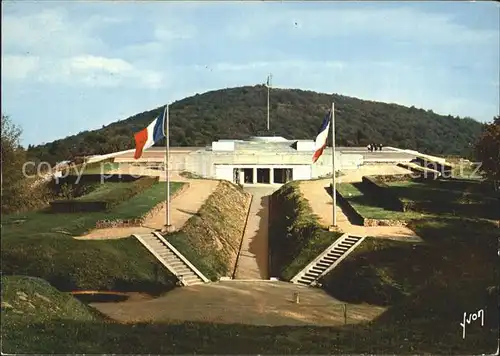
{"x":241,"y":112}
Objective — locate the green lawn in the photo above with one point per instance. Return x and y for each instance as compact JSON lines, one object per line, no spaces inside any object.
{"x":427,"y":287}
{"x":369,"y":207}
{"x":44,"y":221}
{"x":439,"y":191}
{"x":73,"y":329}
{"x":40,"y":244}
{"x":475,"y":199}
{"x":296,"y":236}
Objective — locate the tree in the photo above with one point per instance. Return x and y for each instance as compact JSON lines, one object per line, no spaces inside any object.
{"x":13,"y":158}
{"x":488,"y":151}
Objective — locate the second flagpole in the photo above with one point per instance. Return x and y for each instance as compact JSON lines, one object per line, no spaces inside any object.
{"x":167,"y":158}
{"x":166,"y":166}
{"x":334,"y":183}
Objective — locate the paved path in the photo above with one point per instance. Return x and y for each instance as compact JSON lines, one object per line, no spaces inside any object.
{"x":254,"y":254}
{"x":252,"y":303}
{"x":182,"y":208}
{"x":321,"y":204}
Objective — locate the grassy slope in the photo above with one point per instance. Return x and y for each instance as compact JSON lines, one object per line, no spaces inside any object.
{"x":473,"y":196}
{"x":41,"y":247}
{"x":296,"y":237}
{"x":425,"y":322}
{"x":43,"y":221}
{"x":431,"y":285}
{"x":211,"y":238}
{"x":35,"y":298}
{"x":237,"y":113}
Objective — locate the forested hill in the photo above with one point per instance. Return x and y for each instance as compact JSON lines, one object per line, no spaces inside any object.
{"x":242,"y":112}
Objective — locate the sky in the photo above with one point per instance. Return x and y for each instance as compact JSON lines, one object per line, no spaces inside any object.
{"x":74,"y":66}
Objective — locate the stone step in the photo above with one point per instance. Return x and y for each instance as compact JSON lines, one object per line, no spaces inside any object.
{"x":334,"y":254}
{"x":192,"y":278}
{"x":327,"y":260}
{"x":323,"y":264}
{"x":343,"y":245}
{"x":167,"y":253}
{"x":318,"y":268}
{"x":307,"y":278}
{"x":183,"y":271}
{"x":176,"y":263}
{"x":305,"y":284}
{"x":313,"y":274}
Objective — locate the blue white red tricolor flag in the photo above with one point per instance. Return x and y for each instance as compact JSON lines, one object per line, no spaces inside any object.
{"x":322,"y":137}
{"x":147,"y":137}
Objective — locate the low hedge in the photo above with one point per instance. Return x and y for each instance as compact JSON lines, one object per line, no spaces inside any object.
{"x":97,"y":178}
{"x":295,"y":234}
{"x":76,"y":206}
{"x":111,"y":199}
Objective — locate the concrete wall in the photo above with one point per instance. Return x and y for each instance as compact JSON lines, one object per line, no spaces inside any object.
{"x":301,"y":172}
{"x":210,"y":164}
{"x":224,"y":172}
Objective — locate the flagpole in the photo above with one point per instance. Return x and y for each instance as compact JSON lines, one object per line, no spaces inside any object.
{"x":268,"y":83}
{"x":167,"y":163}
{"x":334,"y":186}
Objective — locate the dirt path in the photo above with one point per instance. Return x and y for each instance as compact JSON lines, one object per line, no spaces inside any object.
{"x":182,"y":207}
{"x":321,"y":204}
{"x":254,"y":254}
{"x":254,"y":303}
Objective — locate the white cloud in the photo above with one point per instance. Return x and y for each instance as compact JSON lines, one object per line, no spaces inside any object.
{"x":267,"y":65}
{"x":16,"y":67}
{"x":166,"y":33}
{"x":95,"y":71}
{"x":49,"y":47}
{"x":397,"y":24}
{"x":46,"y":33}
{"x":92,"y":63}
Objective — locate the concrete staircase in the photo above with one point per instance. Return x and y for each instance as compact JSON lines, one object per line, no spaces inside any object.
{"x":327,"y":260}
{"x":173,"y":260}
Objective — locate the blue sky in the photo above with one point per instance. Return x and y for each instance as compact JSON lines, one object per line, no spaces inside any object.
{"x":74,"y":66}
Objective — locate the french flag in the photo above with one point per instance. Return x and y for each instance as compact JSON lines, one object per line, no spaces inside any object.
{"x":147,"y":137}
{"x":322,"y":137}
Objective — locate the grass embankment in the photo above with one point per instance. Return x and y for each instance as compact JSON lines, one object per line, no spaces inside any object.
{"x":211,"y":238}
{"x":296,"y":237}
{"x":428,"y":286}
{"x":40,"y":244}
{"x":369,"y":207}
{"x":428,"y":322}
{"x":34,"y":298}
{"x":73,"y":224}
{"x":432,"y":197}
